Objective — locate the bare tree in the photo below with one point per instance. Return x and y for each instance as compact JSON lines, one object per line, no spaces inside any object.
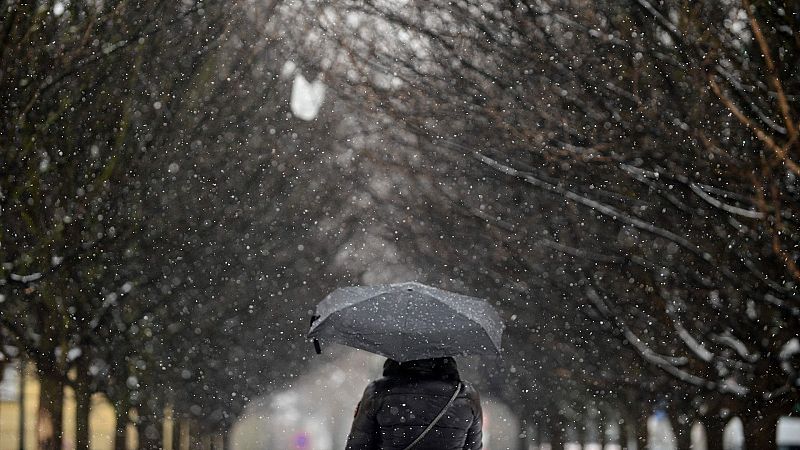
{"x":655,"y":138}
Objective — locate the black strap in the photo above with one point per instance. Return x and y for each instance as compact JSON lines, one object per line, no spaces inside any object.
{"x":441,"y":414}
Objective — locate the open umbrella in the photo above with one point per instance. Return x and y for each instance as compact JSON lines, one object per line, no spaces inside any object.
{"x":408,"y":321}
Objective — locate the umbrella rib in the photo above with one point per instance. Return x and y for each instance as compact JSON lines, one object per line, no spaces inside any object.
{"x":322,"y":318}
{"x":403,"y":336}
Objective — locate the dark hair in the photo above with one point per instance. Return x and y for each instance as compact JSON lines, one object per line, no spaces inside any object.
{"x":444,"y":368}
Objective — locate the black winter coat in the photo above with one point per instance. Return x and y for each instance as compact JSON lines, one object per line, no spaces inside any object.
{"x":395,"y":409}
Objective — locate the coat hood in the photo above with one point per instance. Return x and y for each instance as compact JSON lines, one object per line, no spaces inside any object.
{"x":436,"y":368}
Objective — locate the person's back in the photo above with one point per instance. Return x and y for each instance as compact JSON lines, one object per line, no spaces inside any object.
{"x":397,"y":408}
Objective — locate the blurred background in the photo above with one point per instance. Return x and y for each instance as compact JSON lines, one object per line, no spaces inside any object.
{"x":182,"y":181}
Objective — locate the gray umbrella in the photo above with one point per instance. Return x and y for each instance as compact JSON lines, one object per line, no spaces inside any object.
{"x":408,"y":321}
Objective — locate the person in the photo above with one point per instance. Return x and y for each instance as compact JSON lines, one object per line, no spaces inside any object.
{"x":397,"y":408}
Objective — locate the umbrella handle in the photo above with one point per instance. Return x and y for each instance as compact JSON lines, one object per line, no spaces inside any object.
{"x":317,"y":347}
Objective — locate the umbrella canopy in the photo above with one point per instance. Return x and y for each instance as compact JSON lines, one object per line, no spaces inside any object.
{"x":408,"y":321}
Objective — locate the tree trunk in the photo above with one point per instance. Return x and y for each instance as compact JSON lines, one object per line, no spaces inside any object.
{"x":534,"y":435}
{"x":185,"y":435}
{"x":640,"y":424}
{"x":217,"y":442}
{"x":226,"y":439}
{"x":149,"y":427}
{"x":760,"y":430}
{"x":627,"y":431}
{"x":579,"y":431}
{"x":176,"y":431}
{"x":83,"y":399}
{"x":51,"y":411}
{"x":681,"y":428}
{"x":174,"y":436}
{"x":600,"y":426}
{"x":83,"y":408}
{"x":523,"y":439}
{"x":121,"y":428}
{"x":195,"y":437}
{"x":23,"y":372}
{"x":683,"y":436}
{"x":714,"y":427}
{"x":208,"y":441}
{"x":557,"y":431}
{"x":544,"y":431}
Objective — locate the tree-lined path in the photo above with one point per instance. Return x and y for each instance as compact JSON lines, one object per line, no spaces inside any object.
{"x":180,"y":182}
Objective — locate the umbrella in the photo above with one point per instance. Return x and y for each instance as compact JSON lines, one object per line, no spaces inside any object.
{"x":407,"y":321}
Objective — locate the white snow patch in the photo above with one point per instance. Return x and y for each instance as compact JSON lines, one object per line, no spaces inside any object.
{"x":788,"y":431}
{"x":660,"y":434}
{"x":733,"y":435}
{"x":789,"y":349}
{"x":306,"y":97}
{"x":74,"y":353}
{"x":696,"y":347}
{"x":732,"y":386}
{"x":9,"y":386}
{"x":288,"y":69}
{"x":26,"y":278}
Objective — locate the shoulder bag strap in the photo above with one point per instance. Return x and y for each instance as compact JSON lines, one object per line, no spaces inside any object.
{"x":441,"y":414}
